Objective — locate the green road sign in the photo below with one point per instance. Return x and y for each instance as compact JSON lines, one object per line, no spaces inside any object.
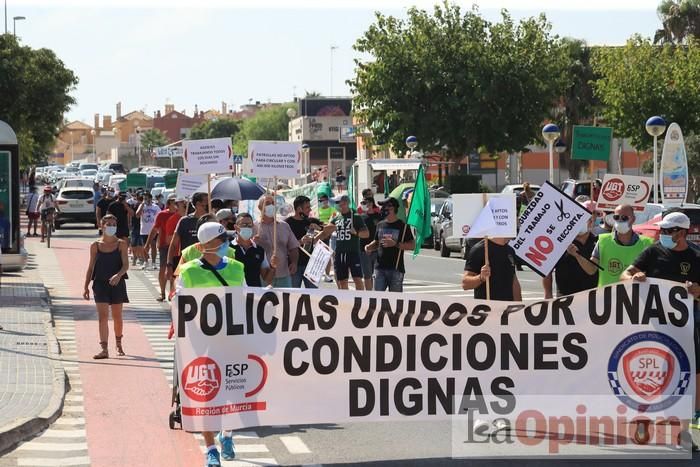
{"x":591,"y":143}
{"x":136,"y":180}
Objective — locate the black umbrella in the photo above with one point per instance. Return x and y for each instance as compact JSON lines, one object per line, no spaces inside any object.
{"x":233,"y":188}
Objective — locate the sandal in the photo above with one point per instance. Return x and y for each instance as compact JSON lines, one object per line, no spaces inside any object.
{"x":161,"y":298}
{"x":120,"y":350}
{"x":103,"y":354}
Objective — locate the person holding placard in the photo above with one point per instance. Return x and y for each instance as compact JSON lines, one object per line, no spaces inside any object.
{"x":285,"y":251}
{"x":255,"y":264}
{"x":499,"y":272}
{"x":349,"y":229}
{"x":616,"y":251}
{"x":569,"y":274}
{"x":307,"y":231}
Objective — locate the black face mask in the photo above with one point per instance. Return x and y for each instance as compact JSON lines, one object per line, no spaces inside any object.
{"x":230,"y":226}
{"x":385,"y":212}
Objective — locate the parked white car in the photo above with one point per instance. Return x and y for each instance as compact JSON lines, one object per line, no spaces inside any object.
{"x":75,"y":204}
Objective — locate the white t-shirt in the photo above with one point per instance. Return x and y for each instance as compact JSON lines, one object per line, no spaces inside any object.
{"x":46,"y":201}
{"x":32,"y":202}
{"x":148,"y":217}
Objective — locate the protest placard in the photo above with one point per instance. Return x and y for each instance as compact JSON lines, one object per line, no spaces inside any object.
{"x":382,"y":356}
{"x":318,"y":261}
{"x":499,"y":220}
{"x":207,"y":156}
{"x":187,"y":185}
{"x":273,"y":159}
{"x":548,"y":226}
{"x":624,"y":189}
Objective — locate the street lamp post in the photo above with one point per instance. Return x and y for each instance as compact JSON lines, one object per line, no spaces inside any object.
{"x":333,"y":49}
{"x":138,"y":143}
{"x":14,"y":23}
{"x":656,"y":126}
{"x":94,"y":145}
{"x":560,"y":147}
{"x":550,"y":133}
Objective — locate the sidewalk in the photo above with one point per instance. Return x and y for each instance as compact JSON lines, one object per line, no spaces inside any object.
{"x":32,"y":378}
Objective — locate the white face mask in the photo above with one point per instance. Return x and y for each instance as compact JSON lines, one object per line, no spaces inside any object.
{"x":111,"y":230}
{"x":270,"y":210}
{"x":584,"y":229}
{"x":622,"y":227}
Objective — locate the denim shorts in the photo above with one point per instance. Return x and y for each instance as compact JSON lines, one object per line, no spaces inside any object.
{"x":368,"y":261}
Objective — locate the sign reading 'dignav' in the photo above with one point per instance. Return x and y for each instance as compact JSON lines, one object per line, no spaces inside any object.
{"x":273,"y":159}
{"x":207,"y":156}
{"x":591,"y":143}
{"x":624,"y":189}
{"x":548,"y":226}
{"x":478,"y":215}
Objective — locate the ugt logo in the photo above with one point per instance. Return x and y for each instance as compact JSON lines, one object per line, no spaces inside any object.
{"x":615,"y":266}
{"x":613,"y":189}
{"x":648,"y":371}
{"x":201,"y":379}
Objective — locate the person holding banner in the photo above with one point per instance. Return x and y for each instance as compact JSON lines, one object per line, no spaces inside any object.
{"x":616,"y":251}
{"x":349,"y":229}
{"x":570,"y":276}
{"x":285,"y":251}
{"x":213,"y":269}
{"x":498,"y":270}
{"x":255,"y":264}
{"x":672,"y":258}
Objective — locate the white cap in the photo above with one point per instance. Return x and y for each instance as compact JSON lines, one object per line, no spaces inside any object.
{"x":675,"y":219}
{"x":211,"y":230}
{"x":225,"y":213}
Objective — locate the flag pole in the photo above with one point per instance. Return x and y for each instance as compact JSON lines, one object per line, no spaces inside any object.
{"x":486,"y":252}
{"x":209,"y":191}
{"x":274,"y":219}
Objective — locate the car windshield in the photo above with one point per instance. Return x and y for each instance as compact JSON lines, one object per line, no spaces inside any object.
{"x":76,"y":194}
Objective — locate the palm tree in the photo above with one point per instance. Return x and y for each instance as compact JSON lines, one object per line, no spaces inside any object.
{"x":153,"y":138}
{"x":680,"y":21}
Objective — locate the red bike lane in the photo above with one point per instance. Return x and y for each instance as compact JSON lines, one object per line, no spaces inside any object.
{"x":126,"y":399}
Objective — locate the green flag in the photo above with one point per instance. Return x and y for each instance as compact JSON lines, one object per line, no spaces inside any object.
{"x":419,"y":211}
{"x":386,"y":184}
{"x":351,"y":189}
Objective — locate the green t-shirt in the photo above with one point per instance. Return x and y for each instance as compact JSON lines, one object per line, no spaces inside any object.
{"x":346,"y":242}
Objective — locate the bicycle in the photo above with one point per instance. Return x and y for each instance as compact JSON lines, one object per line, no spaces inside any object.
{"x":48,"y":224}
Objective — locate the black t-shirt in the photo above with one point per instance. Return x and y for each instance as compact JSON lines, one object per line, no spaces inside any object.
{"x":103,"y":205}
{"x":370,"y":221}
{"x":301,"y":228}
{"x":187,"y":230}
{"x":661,"y":263}
{"x":502,"y":262}
{"x":386,"y":257}
{"x":252,"y":259}
{"x":569,"y":276}
{"x":118,"y":210}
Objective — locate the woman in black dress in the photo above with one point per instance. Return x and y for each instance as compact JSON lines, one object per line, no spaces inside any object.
{"x":109,"y":262}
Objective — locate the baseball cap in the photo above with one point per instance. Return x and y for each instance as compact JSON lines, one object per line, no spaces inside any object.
{"x":675,"y":219}
{"x":222,"y":214}
{"x":344,"y":199}
{"x":211,"y":230}
{"x":391,"y":201}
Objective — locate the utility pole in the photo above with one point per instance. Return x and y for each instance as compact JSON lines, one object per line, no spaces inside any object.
{"x":333,"y":48}
{"x":5,"y":16}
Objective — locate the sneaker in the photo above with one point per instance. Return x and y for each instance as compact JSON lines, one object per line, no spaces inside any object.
{"x":227,"y":451}
{"x":212,"y":459}
{"x":144,"y":266}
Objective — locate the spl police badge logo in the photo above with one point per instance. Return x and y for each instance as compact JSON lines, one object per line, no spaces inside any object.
{"x":649,"y":371}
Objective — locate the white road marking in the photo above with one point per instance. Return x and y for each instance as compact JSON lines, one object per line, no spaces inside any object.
{"x":66,"y":461}
{"x":295,"y":445}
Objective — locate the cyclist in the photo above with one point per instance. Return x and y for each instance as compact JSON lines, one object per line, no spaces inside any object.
{"x":47,"y":206}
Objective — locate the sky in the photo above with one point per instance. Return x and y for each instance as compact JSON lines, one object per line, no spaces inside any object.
{"x":146,"y":53}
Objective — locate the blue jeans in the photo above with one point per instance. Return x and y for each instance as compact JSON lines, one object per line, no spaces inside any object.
{"x":388,"y":278}
{"x":298,"y":278}
{"x":282,"y":282}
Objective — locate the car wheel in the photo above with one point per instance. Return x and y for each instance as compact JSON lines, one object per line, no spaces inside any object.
{"x":436,"y":242}
{"x":444,"y":251}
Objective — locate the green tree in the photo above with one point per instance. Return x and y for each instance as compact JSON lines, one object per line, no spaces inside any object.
{"x":35,"y":91}
{"x":218,"y":128}
{"x":454,"y":79}
{"x":270,"y":124}
{"x":680,"y":21}
{"x":640,"y":80}
{"x":152,"y":138}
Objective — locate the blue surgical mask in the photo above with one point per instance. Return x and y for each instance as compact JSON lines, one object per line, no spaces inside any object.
{"x":111,"y":230}
{"x":270,"y":210}
{"x":246,"y":233}
{"x":223,"y":250}
{"x":667,"y":241}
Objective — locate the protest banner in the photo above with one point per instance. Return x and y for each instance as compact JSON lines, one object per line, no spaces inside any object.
{"x":316,"y":267}
{"x":468,"y":208}
{"x":207,"y":156}
{"x":273,"y":159}
{"x":547,"y":227}
{"x":249,"y":356}
{"x":187,"y":185}
{"x":673,"y":174}
{"x":624,"y":189}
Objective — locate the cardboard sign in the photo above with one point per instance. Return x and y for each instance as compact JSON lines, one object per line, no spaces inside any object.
{"x":624,"y":189}
{"x":548,"y":226}
{"x":317,"y":263}
{"x":273,"y":159}
{"x":470,"y":219}
{"x":673,"y":171}
{"x":591,"y":143}
{"x":187,"y":185}
{"x":207,"y":156}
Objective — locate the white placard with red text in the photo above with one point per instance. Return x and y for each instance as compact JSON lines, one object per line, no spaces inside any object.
{"x":624,"y":189}
{"x":207,"y":156}
{"x":269,"y":159}
{"x":467,"y":209}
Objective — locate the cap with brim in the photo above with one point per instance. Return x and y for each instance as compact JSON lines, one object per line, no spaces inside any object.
{"x":675,"y":219}
{"x":222,"y":214}
{"x":211,"y":230}
{"x":391,"y":201}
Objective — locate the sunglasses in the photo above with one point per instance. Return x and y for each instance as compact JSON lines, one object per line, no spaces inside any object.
{"x":672,"y":230}
{"x":617,"y":218}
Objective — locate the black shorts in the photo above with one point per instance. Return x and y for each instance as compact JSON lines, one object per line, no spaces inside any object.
{"x":163,"y":256}
{"x":136,"y":240}
{"x":45,"y":213}
{"x":347,"y":262}
{"x":105,"y":293}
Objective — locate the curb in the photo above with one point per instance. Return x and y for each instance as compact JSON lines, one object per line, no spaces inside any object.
{"x":13,"y":434}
